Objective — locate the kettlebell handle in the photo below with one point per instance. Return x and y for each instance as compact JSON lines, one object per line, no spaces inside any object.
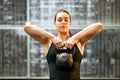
{"x":64,"y":50}
{"x":70,"y":51}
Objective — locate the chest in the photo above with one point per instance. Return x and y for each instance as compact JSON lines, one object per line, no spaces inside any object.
{"x":51,"y":55}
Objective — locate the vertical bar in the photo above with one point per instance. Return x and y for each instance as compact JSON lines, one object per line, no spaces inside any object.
{"x":28,"y":41}
{"x":2,"y":49}
{"x":118,"y":12}
{"x":0,"y":54}
{"x":118,"y":51}
{"x":114,"y":13}
{"x":28,"y":10}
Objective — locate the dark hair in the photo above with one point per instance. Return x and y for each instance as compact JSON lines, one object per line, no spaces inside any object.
{"x":62,"y":10}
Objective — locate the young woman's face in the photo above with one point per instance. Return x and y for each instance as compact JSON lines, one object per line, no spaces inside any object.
{"x":62,"y":22}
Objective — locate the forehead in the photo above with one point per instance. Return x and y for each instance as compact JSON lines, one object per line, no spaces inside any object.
{"x":62,"y":14}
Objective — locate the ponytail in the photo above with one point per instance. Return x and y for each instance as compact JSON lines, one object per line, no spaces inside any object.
{"x":70,"y":33}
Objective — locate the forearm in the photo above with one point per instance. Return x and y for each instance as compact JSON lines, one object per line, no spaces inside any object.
{"x":37,"y":31}
{"x":88,"y":32}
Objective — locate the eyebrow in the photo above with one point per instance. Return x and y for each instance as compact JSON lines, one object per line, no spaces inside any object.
{"x":64,"y":17}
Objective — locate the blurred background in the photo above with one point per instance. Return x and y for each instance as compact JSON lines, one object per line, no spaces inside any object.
{"x":21,"y":57}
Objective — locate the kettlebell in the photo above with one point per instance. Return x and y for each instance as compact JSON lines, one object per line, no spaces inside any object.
{"x":64,"y":58}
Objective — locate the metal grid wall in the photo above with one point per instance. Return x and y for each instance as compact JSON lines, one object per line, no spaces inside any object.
{"x":22,"y":57}
{"x":13,"y":53}
{"x":13,"y":12}
{"x":83,"y":12}
{"x":102,"y":55}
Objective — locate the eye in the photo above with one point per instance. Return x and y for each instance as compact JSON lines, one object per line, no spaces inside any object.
{"x":60,"y":20}
{"x":66,"y":19}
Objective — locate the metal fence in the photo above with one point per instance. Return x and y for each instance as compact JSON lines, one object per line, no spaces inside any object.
{"x":22,"y":56}
{"x":41,"y":12}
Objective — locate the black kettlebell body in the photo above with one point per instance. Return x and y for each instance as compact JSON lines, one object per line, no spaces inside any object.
{"x":64,"y":59}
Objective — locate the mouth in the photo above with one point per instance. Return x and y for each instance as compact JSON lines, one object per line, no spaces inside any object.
{"x":63,"y":26}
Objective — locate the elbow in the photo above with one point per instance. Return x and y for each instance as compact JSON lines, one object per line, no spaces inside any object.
{"x":100,"y":27}
{"x":26,"y":27}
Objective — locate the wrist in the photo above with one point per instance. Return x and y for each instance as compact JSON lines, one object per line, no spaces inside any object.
{"x":52,"y":38}
{"x":74,"y":39}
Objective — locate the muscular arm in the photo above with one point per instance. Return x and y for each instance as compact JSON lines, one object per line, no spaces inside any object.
{"x":88,"y":33}
{"x":41,"y":35}
{"x":84,"y":35}
{"x":38,"y":34}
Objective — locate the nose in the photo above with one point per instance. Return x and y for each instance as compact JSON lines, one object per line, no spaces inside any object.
{"x":63,"y":21}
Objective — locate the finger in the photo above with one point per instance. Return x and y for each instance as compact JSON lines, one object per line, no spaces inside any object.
{"x":58,"y":46}
{"x":63,"y":45}
{"x":68,"y":45}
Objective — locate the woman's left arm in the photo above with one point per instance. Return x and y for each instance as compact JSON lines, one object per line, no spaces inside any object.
{"x":86,"y":34}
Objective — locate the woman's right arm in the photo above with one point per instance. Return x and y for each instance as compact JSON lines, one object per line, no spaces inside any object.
{"x":41,"y":35}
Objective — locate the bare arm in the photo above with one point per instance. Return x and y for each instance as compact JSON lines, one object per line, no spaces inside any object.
{"x":86,"y":34}
{"x":41,"y":35}
{"x":37,"y":33}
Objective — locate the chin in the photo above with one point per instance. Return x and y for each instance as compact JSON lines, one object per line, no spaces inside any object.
{"x":64,"y":32}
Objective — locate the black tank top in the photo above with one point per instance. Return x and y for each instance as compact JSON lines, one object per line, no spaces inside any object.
{"x":69,"y":74}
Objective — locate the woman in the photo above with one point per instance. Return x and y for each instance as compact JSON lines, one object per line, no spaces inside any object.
{"x":64,"y":40}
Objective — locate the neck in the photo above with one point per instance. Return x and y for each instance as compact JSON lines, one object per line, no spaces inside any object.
{"x":63,"y":36}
